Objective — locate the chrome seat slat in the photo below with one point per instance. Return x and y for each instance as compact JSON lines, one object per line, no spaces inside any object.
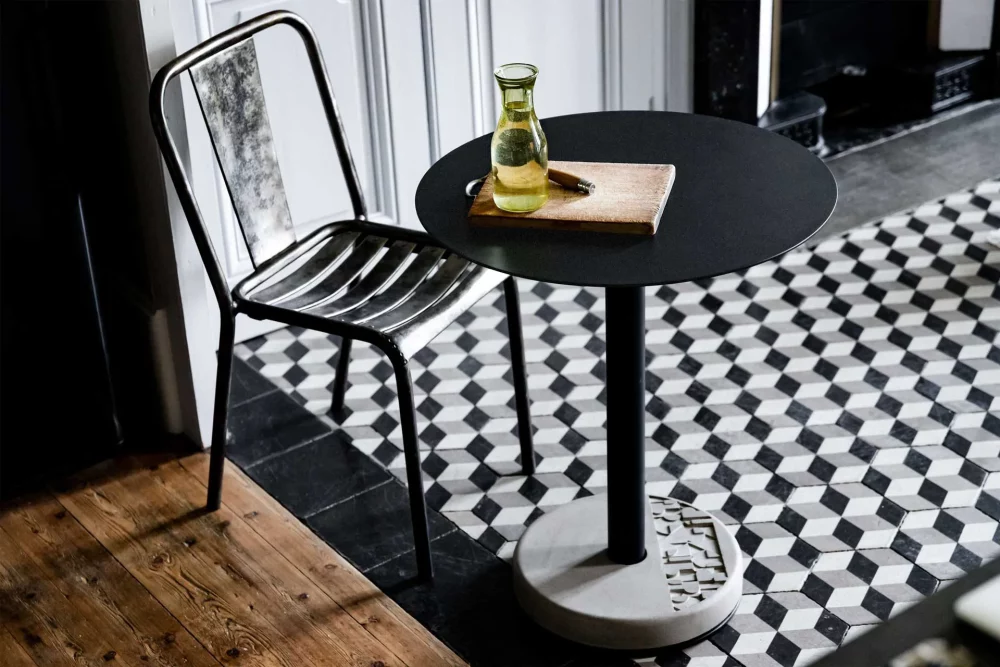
{"x":397,"y":291}
{"x":405,"y":291}
{"x":423,"y":298}
{"x":417,"y":332}
{"x":314,"y":269}
{"x":362,"y":256}
{"x":388,"y":266}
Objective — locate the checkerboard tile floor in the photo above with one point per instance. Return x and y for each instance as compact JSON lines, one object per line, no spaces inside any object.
{"x":839,"y":409}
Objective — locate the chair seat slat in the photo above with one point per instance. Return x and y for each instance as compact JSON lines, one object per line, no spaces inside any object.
{"x":417,"y":332}
{"x":388,"y":266}
{"x":397,"y":291}
{"x":328,"y":288}
{"x":424,"y":297}
{"x":304,"y":277}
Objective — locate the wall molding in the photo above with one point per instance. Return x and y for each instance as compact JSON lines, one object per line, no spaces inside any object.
{"x":376,"y":80}
{"x":679,"y":56}
{"x":430,"y":80}
{"x":765,"y":42}
{"x":481,"y":64}
{"x":475,"y":64}
{"x":480,"y":32}
{"x":611,"y":52}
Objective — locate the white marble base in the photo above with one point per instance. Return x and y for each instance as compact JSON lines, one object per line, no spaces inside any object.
{"x":679,"y":592}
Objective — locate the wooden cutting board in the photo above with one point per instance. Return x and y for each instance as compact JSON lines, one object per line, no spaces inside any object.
{"x":629,"y":200}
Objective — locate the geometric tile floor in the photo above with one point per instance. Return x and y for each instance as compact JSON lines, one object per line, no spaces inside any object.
{"x":838,"y":409}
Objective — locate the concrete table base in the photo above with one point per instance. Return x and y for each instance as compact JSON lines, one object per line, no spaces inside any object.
{"x":688,"y":585}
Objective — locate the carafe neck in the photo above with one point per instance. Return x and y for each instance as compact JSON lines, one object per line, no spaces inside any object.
{"x":518,"y":98}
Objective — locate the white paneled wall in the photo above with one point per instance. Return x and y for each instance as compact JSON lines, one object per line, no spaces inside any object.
{"x":564,"y":39}
{"x":453,"y":54}
{"x":413,"y":80}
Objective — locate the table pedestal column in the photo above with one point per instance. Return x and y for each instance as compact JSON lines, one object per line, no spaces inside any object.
{"x":621,"y":570}
{"x":627,"y":506}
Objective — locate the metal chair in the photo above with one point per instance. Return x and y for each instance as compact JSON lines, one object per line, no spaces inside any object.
{"x":390,"y":287}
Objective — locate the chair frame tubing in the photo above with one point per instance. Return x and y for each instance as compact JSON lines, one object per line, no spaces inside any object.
{"x":189,"y":204}
{"x":512,"y":303}
{"x":231,"y":303}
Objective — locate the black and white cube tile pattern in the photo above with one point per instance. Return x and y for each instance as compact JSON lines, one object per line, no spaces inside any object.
{"x":838,"y":409}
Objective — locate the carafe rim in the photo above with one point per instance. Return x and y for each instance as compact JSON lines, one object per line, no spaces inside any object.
{"x":502,"y":74}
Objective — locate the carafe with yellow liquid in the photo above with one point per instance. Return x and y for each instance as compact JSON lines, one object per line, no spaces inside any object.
{"x":519,"y":151}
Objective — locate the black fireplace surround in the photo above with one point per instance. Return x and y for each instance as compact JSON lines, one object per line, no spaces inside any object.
{"x":845,"y":51}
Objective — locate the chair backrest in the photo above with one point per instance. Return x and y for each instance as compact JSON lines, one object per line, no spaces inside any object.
{"x":227,"y":82}
{"x":232,"y":102}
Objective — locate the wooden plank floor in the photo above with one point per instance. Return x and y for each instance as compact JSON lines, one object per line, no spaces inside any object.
{"x":123,"y":567}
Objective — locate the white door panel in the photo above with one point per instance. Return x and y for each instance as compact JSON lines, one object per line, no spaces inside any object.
{"x":564,"y":39}
{"x":452,"y":61}
{"x":643,"y":83}
{"x":403,"y":50}
{"x":592,"y":54}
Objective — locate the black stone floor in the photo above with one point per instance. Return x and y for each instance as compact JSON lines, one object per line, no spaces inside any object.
{"x":945,"y":155}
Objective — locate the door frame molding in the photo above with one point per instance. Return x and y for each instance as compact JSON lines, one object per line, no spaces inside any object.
{"x":611,"y":53}
{"x":376,"y":80}
{"x":678,"y":58}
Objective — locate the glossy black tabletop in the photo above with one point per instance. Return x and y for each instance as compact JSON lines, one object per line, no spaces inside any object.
{"x":742,"y":196}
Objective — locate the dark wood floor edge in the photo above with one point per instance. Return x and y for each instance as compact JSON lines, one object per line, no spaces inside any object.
{"x":305,"y":573}
{"x":392,"y":594}
{"x":51,"y":493}
{"x":396,"y":594}
{"x":310,"y":416}
{"x":307,"y":415}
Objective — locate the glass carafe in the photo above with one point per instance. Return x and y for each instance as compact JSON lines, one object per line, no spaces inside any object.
{"x":519,"y":151}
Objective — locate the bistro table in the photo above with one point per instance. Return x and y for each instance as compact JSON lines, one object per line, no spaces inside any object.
{"x":624,"y":570}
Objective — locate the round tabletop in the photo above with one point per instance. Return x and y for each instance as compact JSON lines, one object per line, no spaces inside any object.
{"x":742,"y":196}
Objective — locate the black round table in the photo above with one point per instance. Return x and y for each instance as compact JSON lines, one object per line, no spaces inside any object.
{"x":742,"y":196}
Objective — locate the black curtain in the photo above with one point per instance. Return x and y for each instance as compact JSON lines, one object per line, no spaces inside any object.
{"x":63,"y":192}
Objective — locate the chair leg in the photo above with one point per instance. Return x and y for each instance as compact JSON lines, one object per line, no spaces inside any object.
{"x":513,"y":306}
{"x":340,"y":380}
{"x":414,"y":480}
{"x":217,"y":458}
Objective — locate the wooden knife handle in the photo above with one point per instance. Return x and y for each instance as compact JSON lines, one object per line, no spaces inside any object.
{"x":571,"y":182}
